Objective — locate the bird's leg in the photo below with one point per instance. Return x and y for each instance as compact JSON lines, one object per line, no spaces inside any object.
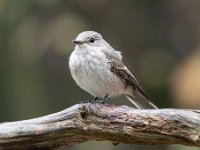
{"x":94,"y":99}
{"x":88,"y":101}
{"x":105,"y":98}
{"x":102,"y":100}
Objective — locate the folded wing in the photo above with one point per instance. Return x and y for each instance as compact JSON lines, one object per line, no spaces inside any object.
{"x":139,"y":99}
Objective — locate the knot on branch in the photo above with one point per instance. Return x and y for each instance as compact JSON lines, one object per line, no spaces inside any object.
{"x":83,"y":111}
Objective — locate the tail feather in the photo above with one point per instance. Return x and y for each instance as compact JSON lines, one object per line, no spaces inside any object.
{"x":141,"y":103}
{"x":133,"y":102}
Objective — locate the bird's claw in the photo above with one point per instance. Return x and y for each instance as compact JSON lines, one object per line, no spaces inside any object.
{"x":95,"y":100}
{"x":90,"y":101}
{"x":83,"y":102}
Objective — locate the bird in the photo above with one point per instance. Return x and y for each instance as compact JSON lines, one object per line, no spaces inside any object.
{"x":98,"y":69}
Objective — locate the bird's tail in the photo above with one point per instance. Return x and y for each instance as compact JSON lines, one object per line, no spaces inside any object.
{"x":141,"y":102}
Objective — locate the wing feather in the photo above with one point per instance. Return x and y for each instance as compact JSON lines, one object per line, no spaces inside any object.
{"x":122,"y":71}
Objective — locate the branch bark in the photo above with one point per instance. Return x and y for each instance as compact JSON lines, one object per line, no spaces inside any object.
{"x":83,"y":122}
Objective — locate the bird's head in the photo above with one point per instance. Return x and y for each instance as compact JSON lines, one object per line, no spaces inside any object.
{"x":89,"y":38}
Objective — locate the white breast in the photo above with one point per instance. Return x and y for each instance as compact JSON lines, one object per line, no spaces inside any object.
{"x":93,"y":74}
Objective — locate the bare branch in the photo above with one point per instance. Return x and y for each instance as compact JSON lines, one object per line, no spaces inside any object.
{"x":83,"y":122}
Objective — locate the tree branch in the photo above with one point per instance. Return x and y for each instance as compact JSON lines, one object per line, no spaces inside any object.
{"x":83,"y":122}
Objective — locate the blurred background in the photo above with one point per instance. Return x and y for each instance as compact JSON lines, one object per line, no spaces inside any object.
{"x":159,"y":41}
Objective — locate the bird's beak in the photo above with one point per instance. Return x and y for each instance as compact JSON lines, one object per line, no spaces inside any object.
{"x":77,"y":42}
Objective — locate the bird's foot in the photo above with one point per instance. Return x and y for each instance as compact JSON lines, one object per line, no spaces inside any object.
{"x":90,"y":101}
{"x":102,"y":100}
{"x":95,"y":100}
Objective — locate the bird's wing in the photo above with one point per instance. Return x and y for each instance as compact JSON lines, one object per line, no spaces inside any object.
{"x":141,"y":100}
{"x":111,"y":53}
{"x":119,"y":69}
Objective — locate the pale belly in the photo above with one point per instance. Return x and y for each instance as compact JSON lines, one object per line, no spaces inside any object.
{"x":95,"y":77}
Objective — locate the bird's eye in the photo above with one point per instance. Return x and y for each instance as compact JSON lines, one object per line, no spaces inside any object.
{"x":92,"y":40}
